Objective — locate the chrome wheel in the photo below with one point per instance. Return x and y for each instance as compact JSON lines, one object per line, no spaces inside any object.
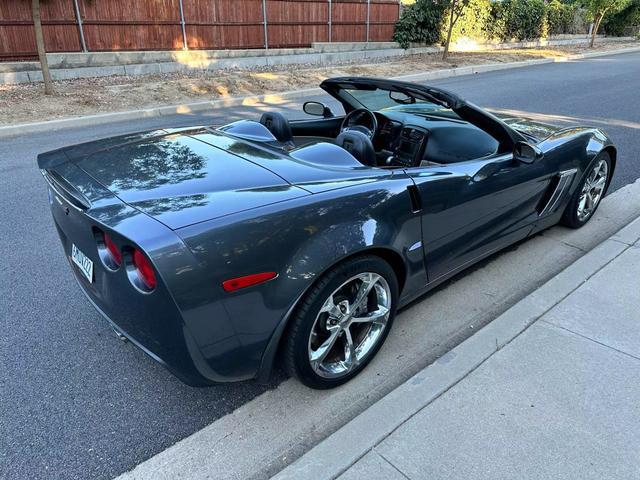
{"x":349,"y":325}
{"x":592,"y":190}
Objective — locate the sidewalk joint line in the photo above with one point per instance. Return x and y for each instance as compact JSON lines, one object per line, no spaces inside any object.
{"x":392,"y":465}
{"x":623,"y":243}
{"x":590,"y":339}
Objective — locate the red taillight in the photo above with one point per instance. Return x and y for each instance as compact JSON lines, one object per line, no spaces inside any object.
{"x":247,"y":281}
{"x":113,"y":250}
{"x":144,"y":268}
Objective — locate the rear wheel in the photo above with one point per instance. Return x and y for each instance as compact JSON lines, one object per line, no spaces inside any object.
{"x":589,"y":193}
{"x":342,"y":322}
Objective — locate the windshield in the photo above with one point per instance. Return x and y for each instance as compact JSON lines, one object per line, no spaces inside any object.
{"x":380,"y":100}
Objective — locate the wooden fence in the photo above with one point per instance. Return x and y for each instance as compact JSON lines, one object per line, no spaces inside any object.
{"x":115,"y":25}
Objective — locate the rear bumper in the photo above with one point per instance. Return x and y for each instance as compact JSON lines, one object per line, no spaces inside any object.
{"x":174,"y":355}
{"x":122,"y":332}
{"x":153,"y":322}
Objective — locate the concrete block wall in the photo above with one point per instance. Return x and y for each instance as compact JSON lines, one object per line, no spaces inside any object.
{"x":66,"y":66}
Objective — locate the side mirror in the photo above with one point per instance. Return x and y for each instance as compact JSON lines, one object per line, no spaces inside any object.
{"x":401,"y":97}
{"x":317,"y":109}
{"x":526,"y":153}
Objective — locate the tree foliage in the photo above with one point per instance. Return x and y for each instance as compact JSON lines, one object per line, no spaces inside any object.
{"x":629,"y":16}
{"x":597,"y":9}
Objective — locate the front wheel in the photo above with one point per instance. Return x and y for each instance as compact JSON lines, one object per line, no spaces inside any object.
{"x":341,"y":323}
{"x":589,"y":193}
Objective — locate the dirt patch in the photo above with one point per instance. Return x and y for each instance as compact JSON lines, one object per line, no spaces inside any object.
{"x":27,"y":102}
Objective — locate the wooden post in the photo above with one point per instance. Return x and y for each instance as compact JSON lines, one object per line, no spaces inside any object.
{"x":80,"y":29}
{"x":368,"y":17}
{"x":329,"y":21}
{"x":185,"y":46}
{"x":264,"y":16}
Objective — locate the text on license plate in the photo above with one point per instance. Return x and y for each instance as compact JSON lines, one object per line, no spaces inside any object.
{"x":82,"y":261}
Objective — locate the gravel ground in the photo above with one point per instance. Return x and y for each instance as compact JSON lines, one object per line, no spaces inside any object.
{"x":27,"y":102}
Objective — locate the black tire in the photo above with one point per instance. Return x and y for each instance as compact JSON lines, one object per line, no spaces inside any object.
{"x":297,"y":339}
{"x":570,"y":217}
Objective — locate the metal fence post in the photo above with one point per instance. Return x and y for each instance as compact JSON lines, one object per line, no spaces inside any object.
{"x":264,"y":16}
{"x":329,"y":21}
{"x":80,"y":29}
{"x":185,"y":46}
{"x":368,"y":17}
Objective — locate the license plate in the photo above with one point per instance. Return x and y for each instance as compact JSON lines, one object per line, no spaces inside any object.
{"x":83,"y":262}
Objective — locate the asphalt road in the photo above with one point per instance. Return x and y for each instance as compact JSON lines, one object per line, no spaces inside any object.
{"x":77,"y":403}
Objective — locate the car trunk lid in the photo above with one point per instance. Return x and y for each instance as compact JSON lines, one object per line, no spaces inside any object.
{"x":176,"y":178}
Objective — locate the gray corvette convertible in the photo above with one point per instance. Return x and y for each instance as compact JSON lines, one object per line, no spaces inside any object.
{"x":219,"y":250}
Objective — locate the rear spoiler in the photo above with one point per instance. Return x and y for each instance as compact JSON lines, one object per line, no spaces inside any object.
{"x":63,"y":188}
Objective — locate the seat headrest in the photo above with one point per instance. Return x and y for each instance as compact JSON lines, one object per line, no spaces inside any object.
{"x":359,"y":145}
{"x":278,"y":125}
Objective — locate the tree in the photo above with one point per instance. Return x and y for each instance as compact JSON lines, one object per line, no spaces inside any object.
{"x":457,"y":7}
{"x":598,"y":9}
{"x":42,"y":55}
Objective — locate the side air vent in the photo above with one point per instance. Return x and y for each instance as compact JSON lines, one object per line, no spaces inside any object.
{"x":548,"y":193}
{"x":555,"y":192}
{"x":414,"y":197}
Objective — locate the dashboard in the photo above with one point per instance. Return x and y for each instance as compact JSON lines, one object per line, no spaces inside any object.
{"x":405,"y":143}
{"x":407,"y":139}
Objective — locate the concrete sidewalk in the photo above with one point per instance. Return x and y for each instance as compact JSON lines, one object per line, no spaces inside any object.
{"x":549,"y":389}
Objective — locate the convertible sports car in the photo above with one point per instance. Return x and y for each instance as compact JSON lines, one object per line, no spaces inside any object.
{"x":219,"y":249}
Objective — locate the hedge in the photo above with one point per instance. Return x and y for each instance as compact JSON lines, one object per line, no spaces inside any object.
{"x":565,"y":18}
{"x":518,"y":19}
{"x":425,"y":21}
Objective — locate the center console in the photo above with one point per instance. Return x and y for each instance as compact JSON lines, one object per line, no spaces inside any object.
{"x":410,"y":147}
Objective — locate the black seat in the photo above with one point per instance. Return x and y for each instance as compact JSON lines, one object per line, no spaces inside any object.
{"x":278,"y":125}
{"x":358,"y":145}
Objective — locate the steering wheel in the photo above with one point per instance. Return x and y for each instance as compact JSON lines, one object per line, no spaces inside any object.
{"x":361,"y":120}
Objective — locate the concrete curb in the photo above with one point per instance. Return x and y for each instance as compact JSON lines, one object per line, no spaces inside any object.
{"x":100,"y":119}
{"x":345,"y":447}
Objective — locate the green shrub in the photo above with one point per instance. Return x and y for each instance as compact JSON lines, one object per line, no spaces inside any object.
{"x":420,"y":22}
{"x":518,"y":19}
{"x":472,"y":23}
{"x":617,"y":23}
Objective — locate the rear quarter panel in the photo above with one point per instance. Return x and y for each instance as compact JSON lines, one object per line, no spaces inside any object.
{"x":299,"y":239}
